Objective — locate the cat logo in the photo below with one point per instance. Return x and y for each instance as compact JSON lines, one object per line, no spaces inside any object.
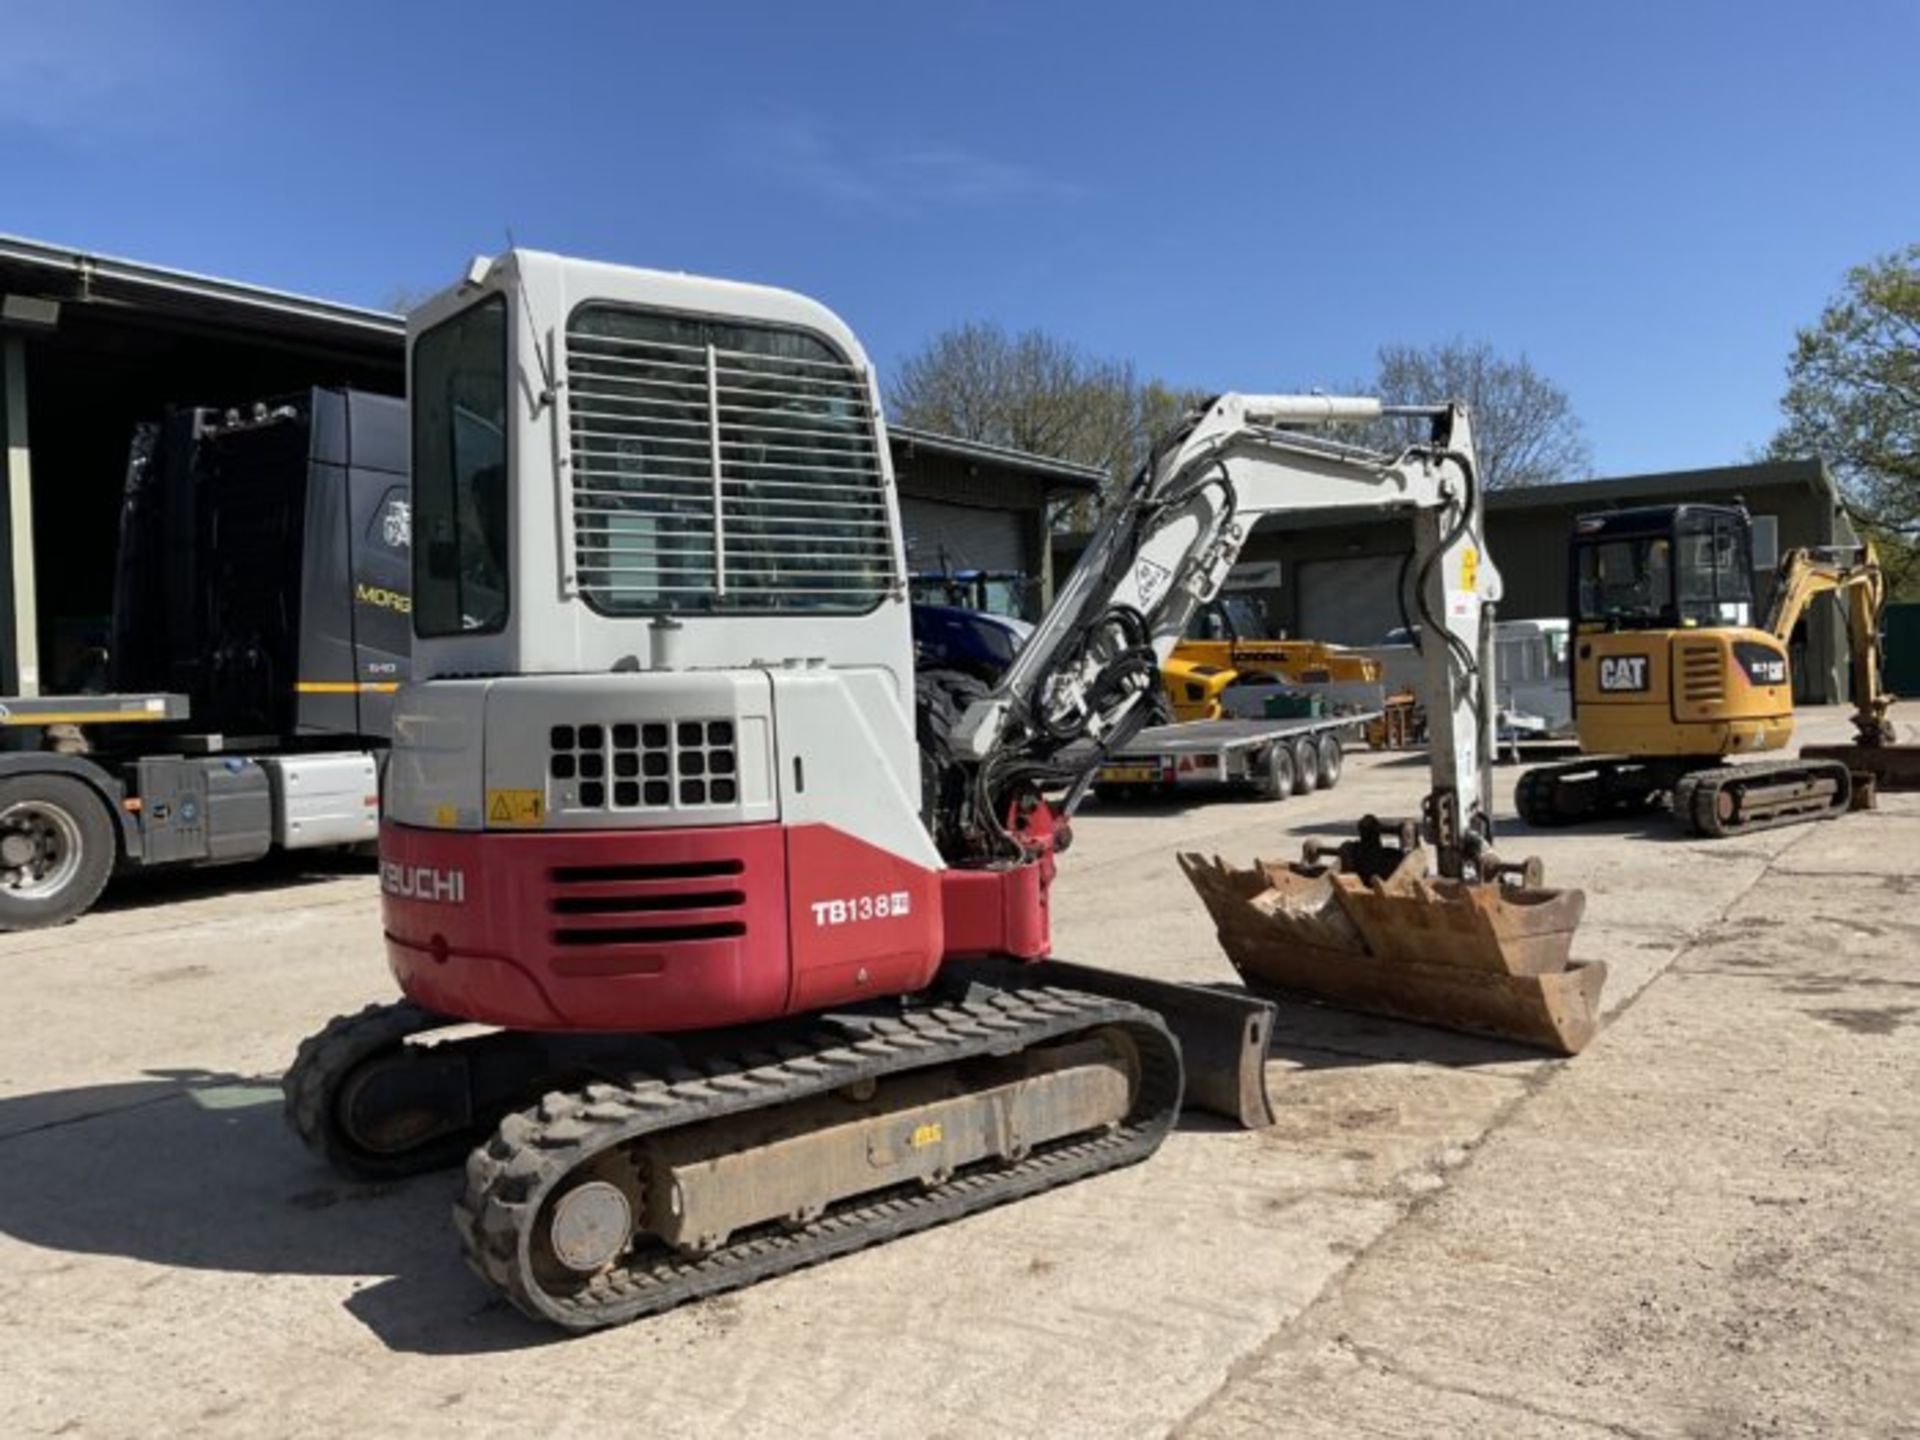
{"x":1623,"y":673}
{"x":382,"y":598}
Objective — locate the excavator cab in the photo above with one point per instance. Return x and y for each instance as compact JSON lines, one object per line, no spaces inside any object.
{"x":1667,"y":661}
{"x":1669,"y":567}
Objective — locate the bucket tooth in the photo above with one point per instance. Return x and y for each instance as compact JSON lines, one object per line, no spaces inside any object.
{"x":1485,"y":958}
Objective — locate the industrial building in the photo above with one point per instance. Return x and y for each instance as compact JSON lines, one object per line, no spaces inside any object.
{"x":1335,"y":576}
{"x":91,"y":345}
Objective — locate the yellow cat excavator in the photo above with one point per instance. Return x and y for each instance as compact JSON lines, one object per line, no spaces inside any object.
{"x":1671,"y":677}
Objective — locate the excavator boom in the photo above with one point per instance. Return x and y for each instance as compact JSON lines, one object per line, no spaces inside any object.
{"x":1381,"y":922}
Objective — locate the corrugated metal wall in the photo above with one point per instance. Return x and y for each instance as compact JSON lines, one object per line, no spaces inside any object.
{"x":941,"y":535}
{"x":1348,"y":602}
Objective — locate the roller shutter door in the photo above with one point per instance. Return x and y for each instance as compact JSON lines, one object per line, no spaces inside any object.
{"x":963,"y":537}
{"x":1349,"y":602}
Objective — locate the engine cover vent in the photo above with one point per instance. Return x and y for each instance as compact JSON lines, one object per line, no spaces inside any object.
{"x":646,"y":764}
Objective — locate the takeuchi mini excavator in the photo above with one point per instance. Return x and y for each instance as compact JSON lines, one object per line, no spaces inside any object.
{"x":756,"y":921}
{"x":1671,"y":678}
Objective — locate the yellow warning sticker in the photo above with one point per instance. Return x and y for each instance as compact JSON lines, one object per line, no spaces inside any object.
{"x":516,"y":807}
{"x":925,"y":1135}
{"x":1469,"y":567}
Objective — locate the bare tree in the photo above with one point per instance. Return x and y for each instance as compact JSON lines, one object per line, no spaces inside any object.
{"x":1524,"y":428}
{"x":1035,"y":392}
{"x":1030,"y":391}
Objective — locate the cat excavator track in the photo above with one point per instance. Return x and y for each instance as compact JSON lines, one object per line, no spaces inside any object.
{"x":1711,"y":799}
{"x":1761,"y":795}
{"x":1592,"y":787}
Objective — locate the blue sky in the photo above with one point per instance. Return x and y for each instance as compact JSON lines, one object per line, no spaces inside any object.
{"x":1646,"y":199}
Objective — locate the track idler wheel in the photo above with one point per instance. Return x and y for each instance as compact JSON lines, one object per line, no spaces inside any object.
{"x":373,"y":1106}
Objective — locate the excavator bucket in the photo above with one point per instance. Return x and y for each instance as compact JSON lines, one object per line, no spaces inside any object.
{"x":1487,"y":958}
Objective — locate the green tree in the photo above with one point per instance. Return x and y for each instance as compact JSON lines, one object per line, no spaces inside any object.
{"x":1853,"y":398}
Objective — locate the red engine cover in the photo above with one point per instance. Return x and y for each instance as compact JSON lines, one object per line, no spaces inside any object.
{"x":648,"y":930}
{"x":657,"y":930}
{"x":661,"y":930}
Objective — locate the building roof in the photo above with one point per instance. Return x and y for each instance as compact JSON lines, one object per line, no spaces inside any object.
{"x":1058,"y":474}
{"x":1723,"y":482}
{"x":80,"y":276}
{"x":1720,"y":481}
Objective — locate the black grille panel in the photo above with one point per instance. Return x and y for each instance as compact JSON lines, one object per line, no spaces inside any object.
{"x":651,"y":934}
{"x":650,"y":765}
{"x":669,"y":903}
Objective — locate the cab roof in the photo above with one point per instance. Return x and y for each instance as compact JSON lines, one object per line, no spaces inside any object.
{"x":1649,"y":519}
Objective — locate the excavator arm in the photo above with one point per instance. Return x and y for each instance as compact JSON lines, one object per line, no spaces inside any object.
{"x":1854,"y":577}
{"x":1081,"y":685}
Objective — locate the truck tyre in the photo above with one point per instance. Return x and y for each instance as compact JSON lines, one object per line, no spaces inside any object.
{"x":1276,"y":779}
{"x":1306,"y":765}
{"x":1332,"y":759}
{"x":57,"y":848}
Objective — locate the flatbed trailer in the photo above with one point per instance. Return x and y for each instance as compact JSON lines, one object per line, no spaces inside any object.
{"x":1269,"y":758}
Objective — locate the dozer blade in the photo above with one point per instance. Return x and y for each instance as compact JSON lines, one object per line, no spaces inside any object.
{"x":1487,"y":958}
{"x":1892,"y":767}
{"x":1223,"y":1034}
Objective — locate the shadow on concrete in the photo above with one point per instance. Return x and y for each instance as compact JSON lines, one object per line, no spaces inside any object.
{"x":1658,"y":825}
{"x":1311,"y":1036}
{"x":1170,"y":802}
{"x":1320,"y":1037}
{"x":1393,"y":759}
{"x":196,"y":1170}
{"x":150,"y":889}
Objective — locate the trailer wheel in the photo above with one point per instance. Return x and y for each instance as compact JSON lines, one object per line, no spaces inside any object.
{"x":57,"y":848}
{"x":1306,"y":765}
{"x":1332,"y":759}
{"x":1276,"y":779}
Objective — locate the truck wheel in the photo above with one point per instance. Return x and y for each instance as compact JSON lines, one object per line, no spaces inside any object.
{"x":57,"y":848}
{"x":1306,"y":765}
{"x":1277,"y":774}
{"x":1332,"y":758}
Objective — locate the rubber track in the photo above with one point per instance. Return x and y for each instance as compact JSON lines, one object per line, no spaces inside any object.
{"x":533,"y":1150}
{"x":1696,"y":804}
{"x":1533,"y":798}
{"x":1537,"y":796}
{"x":321,"y":1067}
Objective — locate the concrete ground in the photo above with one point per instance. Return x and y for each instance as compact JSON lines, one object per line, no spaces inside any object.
{"x":1704,"y":1226}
